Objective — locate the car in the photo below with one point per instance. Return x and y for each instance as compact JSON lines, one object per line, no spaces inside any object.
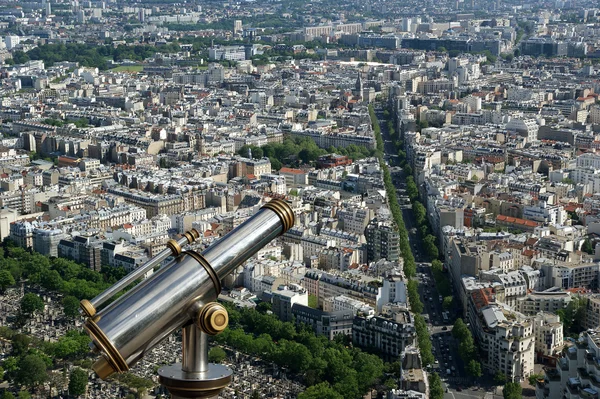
{"x":444,"y":328}
{"x":458,"y":389}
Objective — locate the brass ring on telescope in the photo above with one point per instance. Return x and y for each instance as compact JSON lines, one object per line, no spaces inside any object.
{"x":174,"y":247}
{"x":283,"y":210}
{"x":211,"y":272}
{"x":87,"y":307}
{"x":195,"y":233}
{"x":112,"y":355}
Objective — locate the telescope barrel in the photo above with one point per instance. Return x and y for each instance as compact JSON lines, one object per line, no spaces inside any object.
{"x":173,"y":249}
{"x":132,"y":325}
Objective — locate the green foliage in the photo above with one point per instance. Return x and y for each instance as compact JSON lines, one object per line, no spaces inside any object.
{"x":447,"y":303}
{"x":73,"y":345}
{"x":78,"y":380}
{"x":216,"y":355}
{"x":133,"y":381}
{"x":349,"y":371}
{"x":71,"y":306}
{"x":24,"y":395}
{"x":31,"y":303}
{"x":8,"y":395}
{"x":32,"y":371}
{"x":413,"y":296}
{"x":313,"y":302}
{"x":20,"y":344}
{"x":320,"y":391}
{"x":586,"y":247}
{"x":430,"y":246}
{"x":466,"y":346}
{"x":573,"y":316}
{"x":436,"y":391}
{"x":512,"y":390}
{"x":6,"y":280}
{"x":533,"y":379}
{"x":499,"y":378}
{"x":424,"y":340}
{"x":91,"y":55}
{"x":474,"y":368}
{"x":1,"y":374}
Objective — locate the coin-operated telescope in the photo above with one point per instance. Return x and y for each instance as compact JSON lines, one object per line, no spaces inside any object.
{"x":181,"y":294}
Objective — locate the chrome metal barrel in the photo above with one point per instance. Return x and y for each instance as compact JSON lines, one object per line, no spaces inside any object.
{"x":132,"y":325}
{"x":174,"y":247}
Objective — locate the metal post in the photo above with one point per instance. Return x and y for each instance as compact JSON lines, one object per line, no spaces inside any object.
{"x":195,"y":350}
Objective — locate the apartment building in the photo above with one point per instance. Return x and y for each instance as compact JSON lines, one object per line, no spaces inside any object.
{"x":549,"y":339}
{"x":383,"y":241}
{"x":577,"y":372}
{"x":550,"y":300}
{"x":390,"y":336}
{"x":329,"y":324}
{"x":505,"y":338}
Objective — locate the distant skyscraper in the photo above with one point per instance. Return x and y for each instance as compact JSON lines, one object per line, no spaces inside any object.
{"x":237,"y":26}
{"x":141,"y":15}
{"x":406,"y":24}
{"x":48,"y":8}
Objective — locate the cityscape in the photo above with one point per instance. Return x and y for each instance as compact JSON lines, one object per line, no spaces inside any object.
{"x":441,"y":160}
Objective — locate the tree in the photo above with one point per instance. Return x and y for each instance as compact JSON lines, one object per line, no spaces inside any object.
{"x":71,"y":306}
{"x":31,"y":303}
{"x":447,"y":303}
{"x":8,"y":395}
{"x":216,"y":355}
{"x":78,"y":380}
{"x":499,"y":378}
{"x":320,"y":391}
{"x":313,"y":302}
{"x":512,"y":390}
{"x":32,"y":371}
{"x":586,"y":247}
{"x":390,"y":384}
{"x":20,"y":344}
{"x":474,"y":368}
{"x":534,"y":378}
{"x":24,"y":395}
{"x":1,"y":374}
{"x":436,"y":391}
{"x":6,"y":280}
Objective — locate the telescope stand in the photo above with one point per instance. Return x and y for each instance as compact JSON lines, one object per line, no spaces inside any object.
{"x":194,"y":377}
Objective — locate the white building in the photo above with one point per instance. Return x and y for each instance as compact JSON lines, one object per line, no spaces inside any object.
{"x":393,"y":291}
{"x":548,"y":331}
{"x":577,"y":374}
{"x":527,"y":128}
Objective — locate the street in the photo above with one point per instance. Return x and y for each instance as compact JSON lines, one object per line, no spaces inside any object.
{"x":448,"y":364}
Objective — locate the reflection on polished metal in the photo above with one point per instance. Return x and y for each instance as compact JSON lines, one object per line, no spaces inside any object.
{"x":173,"y":249}
{"x":180,"y":294}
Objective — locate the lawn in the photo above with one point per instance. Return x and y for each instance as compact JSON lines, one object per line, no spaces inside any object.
{"x":128,"y":68}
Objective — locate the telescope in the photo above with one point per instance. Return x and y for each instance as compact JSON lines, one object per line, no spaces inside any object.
{"x":181,"y":294}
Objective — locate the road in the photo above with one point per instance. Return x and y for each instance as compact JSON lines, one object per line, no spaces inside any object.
{"x":445,"y":349}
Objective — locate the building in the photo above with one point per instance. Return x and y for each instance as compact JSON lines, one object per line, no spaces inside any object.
{"x":45,"y":241}
{"x":285,"y":297}
{"x":576,"y":375}
{"x":329,"y":324}
{"x":550,"y":300}
{"x":383,"y":241}
{"x":390,"y":336}
{"x":393,"y":291}
{"x":229,"y":53}
{"x":548,"y":331}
